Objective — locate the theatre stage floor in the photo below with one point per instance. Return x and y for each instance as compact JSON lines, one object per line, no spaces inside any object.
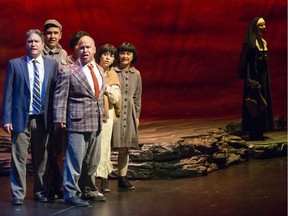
{"x":257,"y":187}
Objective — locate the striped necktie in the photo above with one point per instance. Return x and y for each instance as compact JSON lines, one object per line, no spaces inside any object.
{"x":95,"y":81}
{"x":36,"y":103}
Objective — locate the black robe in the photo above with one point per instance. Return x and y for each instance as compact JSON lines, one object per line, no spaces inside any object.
{"x":253,"y":66}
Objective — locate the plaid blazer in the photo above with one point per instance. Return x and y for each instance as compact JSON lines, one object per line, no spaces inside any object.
{"x":74,"y":101}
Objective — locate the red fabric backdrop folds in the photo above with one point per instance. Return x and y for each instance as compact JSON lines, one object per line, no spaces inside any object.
{"x":188,"y":49}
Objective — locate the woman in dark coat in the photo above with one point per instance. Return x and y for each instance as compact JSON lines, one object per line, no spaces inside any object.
{"x":125,"y":130}
{"x":257,"y":116}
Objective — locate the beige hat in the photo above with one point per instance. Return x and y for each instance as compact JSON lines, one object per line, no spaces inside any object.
{"x":52,"y":22}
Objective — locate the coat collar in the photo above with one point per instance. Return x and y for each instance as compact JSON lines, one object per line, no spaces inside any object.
{"x":47,"y":50}
{"x":76,"y":67}
{"x":131,"y":69}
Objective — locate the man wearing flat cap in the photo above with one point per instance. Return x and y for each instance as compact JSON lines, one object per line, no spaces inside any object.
{"x":52,"y":49}
{"x":56,"y":145}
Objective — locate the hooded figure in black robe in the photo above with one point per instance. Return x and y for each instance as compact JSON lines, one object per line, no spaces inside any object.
{"x":257,"y":116}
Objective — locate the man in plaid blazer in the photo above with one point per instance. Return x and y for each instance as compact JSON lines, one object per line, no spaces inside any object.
{"x":80,"y":111}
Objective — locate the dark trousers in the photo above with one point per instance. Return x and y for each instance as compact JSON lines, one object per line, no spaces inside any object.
{"x":56,"y":151}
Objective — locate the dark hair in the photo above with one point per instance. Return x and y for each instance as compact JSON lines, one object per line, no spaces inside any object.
{"x":50,"y":25}
{"x":76,"y":37}
{"x":34,"y":31}
{"x":130,"y":48}
{"x":104,"y":49}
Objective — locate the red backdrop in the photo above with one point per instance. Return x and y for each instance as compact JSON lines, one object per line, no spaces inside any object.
{"x":188,"y":49}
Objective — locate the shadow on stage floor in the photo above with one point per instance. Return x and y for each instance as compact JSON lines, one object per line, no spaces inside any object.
{"x":257,"y":187}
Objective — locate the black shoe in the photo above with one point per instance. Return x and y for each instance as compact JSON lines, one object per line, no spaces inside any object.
{"x":59,"y":194}
{"x":40,"y":198}
{"x":105,"y":186}
{"x":17,"y":202}
{"x":96,"y":198}
{"x":77,"y":202}
{"x":52,"y":196}
{"x":123,"y":183}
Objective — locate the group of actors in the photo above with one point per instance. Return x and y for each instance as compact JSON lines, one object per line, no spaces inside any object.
{"x":70,"y":111}
{"x":80,"y":106}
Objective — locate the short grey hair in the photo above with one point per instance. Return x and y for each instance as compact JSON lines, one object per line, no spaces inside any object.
{"x":34,"y":31}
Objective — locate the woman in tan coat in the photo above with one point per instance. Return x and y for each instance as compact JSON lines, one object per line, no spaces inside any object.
{"x":105,"y":57}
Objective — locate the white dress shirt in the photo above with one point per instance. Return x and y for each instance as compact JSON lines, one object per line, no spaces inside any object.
{"x":40,"y":64}
{"x":89,"y":76}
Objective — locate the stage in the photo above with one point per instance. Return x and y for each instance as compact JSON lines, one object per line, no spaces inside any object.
{"x":256,"y":187}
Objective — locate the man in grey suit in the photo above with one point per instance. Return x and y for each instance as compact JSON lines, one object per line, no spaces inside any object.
{"x":78,"y":107}
{"x":27,"y":114}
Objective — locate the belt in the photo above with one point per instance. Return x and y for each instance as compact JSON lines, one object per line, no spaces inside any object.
{"x":33,"y":116}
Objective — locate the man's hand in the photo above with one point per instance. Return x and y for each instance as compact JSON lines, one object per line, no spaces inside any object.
{"x":8,"y":128}
{"x":59,"y":125}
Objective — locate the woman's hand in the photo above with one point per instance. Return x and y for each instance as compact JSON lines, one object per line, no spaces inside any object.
{"x":137,"y":122}
{"x":253,"y":83}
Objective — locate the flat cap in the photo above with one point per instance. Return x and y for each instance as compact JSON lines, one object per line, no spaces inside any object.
{"x":52,"y":22}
